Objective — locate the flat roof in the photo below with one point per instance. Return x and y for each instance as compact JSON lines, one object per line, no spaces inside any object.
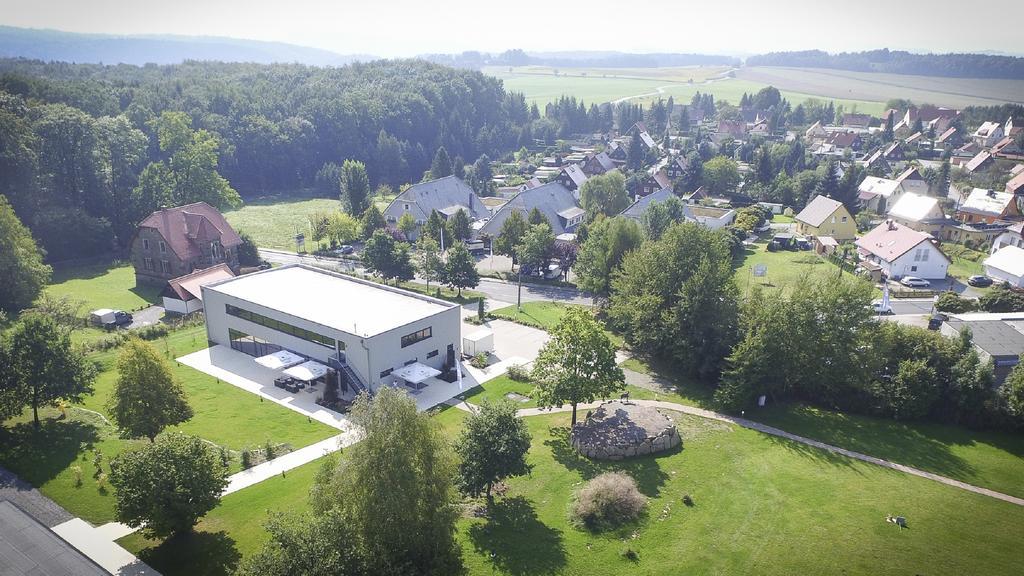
{"x":28,"y":547}
{"x":996,"y":337}
{"x":344,"y":303}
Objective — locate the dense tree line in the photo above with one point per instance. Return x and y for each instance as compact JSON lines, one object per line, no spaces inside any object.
{"x":87,"y":150}
{"x":900,"y":62}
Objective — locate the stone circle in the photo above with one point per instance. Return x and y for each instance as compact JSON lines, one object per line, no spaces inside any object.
{"x":617,"y":430}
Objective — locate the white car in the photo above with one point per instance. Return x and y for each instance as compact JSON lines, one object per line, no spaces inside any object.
{"x":915,"y":282}
{"x":879,"y":308}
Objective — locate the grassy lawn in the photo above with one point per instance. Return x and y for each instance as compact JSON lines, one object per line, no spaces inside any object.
{"x":495,"y":391}
{"x":273,"y":222}
{"x":762,"y":505}
{"x":785,"y":268}
{"x":545,"y":315}
{"x":965,"y":262}
{"x":224,"y":415}
{"x":989,"y":459}
{"x":106,"y":285}
{"x":446,"y":292}
{"x":782,"y":219}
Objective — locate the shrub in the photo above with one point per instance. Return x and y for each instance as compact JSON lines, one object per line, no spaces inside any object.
{"x":631,"y":555}
{"x":246,"y":459}
{"x":609,"y":500}
{"x":268,"y":451}
{"x":518,"y":372}
{"x":950,"y":301}
{"x":77,"y":471}
{"x":479,"y":361}
{"x":1002,"y":299}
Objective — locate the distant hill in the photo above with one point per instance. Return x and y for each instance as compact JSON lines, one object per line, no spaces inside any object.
{"x":54,"y":45}
{"x":579,"y":59}
{"x":900,"y":62}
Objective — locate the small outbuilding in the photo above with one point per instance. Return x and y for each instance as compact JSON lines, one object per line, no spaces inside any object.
{"x":1006,"y":264}
{"x":184,"y":294}
{"x":479,"y":342}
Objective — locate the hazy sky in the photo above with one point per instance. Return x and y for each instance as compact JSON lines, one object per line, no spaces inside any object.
{"x":409,"y":27}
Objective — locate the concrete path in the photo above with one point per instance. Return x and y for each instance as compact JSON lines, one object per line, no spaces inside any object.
{"x":101,"y":549}
{"x":789,"y":436}
{"x":289,"y":461}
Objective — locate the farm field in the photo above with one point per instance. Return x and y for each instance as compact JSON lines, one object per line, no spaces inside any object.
{"x":643,"y":85}
{"x":273,"y":222}
{"x":955,"y":92}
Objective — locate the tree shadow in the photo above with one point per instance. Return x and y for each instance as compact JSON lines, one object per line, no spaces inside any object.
{"x":38,"y":456}
{"x":516,"y":541}
{"x":194,"y":554}
{"x":644,"y":469}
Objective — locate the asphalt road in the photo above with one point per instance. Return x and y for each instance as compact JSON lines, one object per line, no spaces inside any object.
{"x":902,"y":306}
{"x":492,"y":288}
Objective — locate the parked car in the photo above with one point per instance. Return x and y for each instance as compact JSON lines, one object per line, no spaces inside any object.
{"x":915,"y":282}
{"x":878,"y":307}
{"x":764,"y":227}
{"x":344,"y":249}
{"x":979,"y":280}
{"x":936,"y":320}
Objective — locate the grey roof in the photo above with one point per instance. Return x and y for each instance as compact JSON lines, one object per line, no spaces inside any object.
{"x":572,"y":212}
{"x":437,"y":195}
{"x":604,"y":161}
{"x":28,"y":547}
{"x":636,"y":209}
{"x":996,"y":337}
{"x":551,"y":199}
{"x":575,"y":173}
{"x":818,"y":210}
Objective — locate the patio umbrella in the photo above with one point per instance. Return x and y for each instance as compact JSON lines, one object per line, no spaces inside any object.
{"x":307,"y":371}
{"x":279,"y":360}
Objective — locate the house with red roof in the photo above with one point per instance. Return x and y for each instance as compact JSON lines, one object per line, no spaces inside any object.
{"x":174,"y":242}
{"x":901,"y":251}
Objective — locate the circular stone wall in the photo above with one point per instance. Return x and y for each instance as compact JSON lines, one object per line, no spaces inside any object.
{"x":616,"y":430}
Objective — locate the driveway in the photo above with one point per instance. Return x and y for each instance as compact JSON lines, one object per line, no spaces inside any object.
{"x":146,"y":317}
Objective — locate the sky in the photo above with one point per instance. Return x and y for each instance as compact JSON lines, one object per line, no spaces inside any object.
{"x":393,"y":28}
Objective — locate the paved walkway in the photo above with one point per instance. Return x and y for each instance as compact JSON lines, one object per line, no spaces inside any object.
{"x":787,"y":435}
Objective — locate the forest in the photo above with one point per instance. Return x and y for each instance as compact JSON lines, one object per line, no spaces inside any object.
{"x":87,"y":150}
{"x":900,"y":62}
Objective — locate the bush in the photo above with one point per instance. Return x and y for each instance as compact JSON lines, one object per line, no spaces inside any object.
{"x":246,"y":459}
{"x":1002,"y":299}
{"x":609,"y":500}
{"x":479,"y":361}
{"x":950,"y":301}
{"x":518,"y":372}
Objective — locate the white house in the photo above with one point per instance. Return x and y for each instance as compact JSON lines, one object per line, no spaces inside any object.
{"x":988,"y":134}
{"x":901,"y":251}
{"x":878,"y":194}
{"x":1006,"y":264}
{"x":1012,"y":236}
{"x":363,"y":330}
{"x":922,"y":213}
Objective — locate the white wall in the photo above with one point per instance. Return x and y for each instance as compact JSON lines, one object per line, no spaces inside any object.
{"x":1004,"y":276}
{"x":934,"y":268}
{"x":182,"y":306}
{"x":385,"y":349}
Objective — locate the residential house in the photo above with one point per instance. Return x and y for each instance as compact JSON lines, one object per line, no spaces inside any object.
{"x":572,"y":177}
{"x":1007,"y":265}
{"x":998,"y":337}
{"x":675,"y":168}
{"x":1007,"y":148}
{"x":988,"y":134}
{"x":1012,"y":235}
{"x":598,"y":164}
{"x":445,"y":195}
{"x":911,"y":180}
{"x":922,"y":213}
{"x":618,"y":153}
{"x":852,"y":120}
{"x":876,"y":162}
{"x":737,"y":130}
{"x":845,"y":140}
{"x":760,"y":128}
{"x":980,"y":161}
{"x":987,"y":206}
{"x":555,"y":202}
{"x":184,"y":294}
{"x":695,"y":196}
{"x":174,"y":242}
{"x":712,"y":217}
{"x":652,"y":183}
{"x":877,"y":194}
{"x":646,"y":141}
{"x":824,"y":216}
{"x":1016,"y":184}
{"x":901,"y":251}
{"x":949,"y":138}
{"x":893,"y":152}
{"x":815,"y":132}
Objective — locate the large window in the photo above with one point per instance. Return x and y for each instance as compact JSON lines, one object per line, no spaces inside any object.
{"x":251,"y":345}
{"x":273,"y":324}
{"x":410,"y":339}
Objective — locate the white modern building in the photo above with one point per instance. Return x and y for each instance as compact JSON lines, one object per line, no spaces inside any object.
{"x":1006,"y":265}
{"x":364,"y":331}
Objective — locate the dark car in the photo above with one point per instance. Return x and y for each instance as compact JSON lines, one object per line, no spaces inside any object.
{"x":936,"y":320}
{"x":979,"y":280}
{"x":344,"y":249}
{"x":121,"y":318}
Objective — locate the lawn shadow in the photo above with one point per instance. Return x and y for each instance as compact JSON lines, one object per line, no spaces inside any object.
{"x":38,"y":456}
{"x":516,"y":541}
{"x":645,"y":470}
{"x":194,"y":554}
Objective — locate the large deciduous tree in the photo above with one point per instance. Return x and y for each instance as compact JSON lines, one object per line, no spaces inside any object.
{"x":721,"y":175}
{"x":308,"y":545}
{"x":394,"y":488}
{"x":146,"y":397}
{"x":608,"y":241}
{"x":43,"y":366}
{"x":460,"y":268}
{"x":578,"y":363}
{"x":511,"y":235}
{"x":604,"y":194}
{"x":167,"y":486}
{"x":21,"y":262}
{"x":492,"y":446}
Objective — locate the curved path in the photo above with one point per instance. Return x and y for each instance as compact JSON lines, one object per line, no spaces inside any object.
{"x":781,"y":434}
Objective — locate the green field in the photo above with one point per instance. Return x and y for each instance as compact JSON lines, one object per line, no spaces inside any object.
{"x":954,"y":92}
{"x":495,"y":390}
{"x":104,"y":285}
{"x":761,"y":505}
{"x":643,"y":85}
{"x":225,"y":415}
{"x":545,"y":315}
{"x":273,"y":222}
{"x":785,"y":268}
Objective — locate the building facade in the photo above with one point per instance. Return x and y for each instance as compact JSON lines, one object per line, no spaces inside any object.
{"x":177,"y":241}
